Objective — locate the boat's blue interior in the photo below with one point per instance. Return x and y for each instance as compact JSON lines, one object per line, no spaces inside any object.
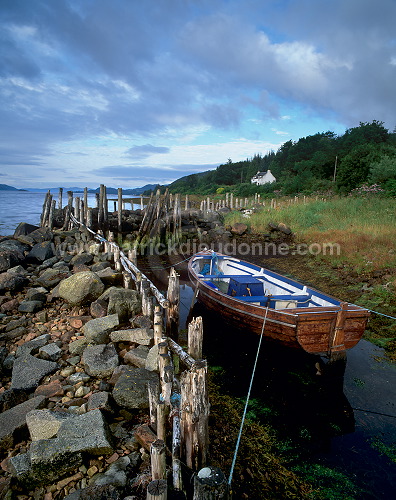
{"x":254,"y":284}
{"x":251,"y":289}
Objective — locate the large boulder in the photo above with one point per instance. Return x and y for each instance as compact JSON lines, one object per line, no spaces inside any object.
{"x":81,"y":288}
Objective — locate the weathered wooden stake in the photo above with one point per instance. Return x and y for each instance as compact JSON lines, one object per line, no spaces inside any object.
{"x":51,"y":214}
{"x":132,"y":256}
{"x":194,"y":415}
{"x":119,"y":206}
{"x":68,"y":210}
{"x":157,"y":490}
{"x":153,"y":396}
{"x":117,"y":259}
{"x":157,"y":325}
{"x":161,"y":420}
{"x":86,"y":204}
{"x":195,"y":336}
{"x":210,"y":484}
{"x":100,"y":206}
{"x":173,"y":295}
{"x":60,"y":198}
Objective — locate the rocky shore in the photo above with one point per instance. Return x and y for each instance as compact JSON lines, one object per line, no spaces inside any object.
{"x":76,"y":355}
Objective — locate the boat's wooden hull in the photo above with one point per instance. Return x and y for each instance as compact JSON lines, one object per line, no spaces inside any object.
{"x":321,"y":330}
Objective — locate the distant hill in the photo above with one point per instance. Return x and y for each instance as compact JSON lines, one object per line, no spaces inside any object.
{"x":5,"y":187}
{"x":110,"y":190}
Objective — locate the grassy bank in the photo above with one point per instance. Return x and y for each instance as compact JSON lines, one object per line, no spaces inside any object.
{"x":364,"y":228}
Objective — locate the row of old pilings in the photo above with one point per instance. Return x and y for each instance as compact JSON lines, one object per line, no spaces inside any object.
{"x":177,"y":434}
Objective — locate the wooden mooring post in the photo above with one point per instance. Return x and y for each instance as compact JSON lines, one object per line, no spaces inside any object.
{"x":173,"y":296}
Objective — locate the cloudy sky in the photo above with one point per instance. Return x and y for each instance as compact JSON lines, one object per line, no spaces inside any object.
{"x":130,"y":92}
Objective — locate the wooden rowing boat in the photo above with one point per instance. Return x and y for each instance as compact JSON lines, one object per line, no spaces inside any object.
{"x":247,"y":296}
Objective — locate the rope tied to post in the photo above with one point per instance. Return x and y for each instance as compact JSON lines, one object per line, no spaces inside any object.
{"x":247,"y":401}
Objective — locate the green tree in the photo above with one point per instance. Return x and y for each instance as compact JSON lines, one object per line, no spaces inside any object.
{"x":354,"y":168}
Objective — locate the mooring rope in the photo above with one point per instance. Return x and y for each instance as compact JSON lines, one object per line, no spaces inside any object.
{"x":247,"y":401}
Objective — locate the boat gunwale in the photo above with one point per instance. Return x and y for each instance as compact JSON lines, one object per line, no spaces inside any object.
{"x":299,"y":312}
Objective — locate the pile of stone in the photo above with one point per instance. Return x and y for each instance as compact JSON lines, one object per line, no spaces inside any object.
{"x":76,"y":357}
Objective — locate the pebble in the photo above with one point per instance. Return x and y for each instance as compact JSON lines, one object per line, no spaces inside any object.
{"x":66,"y":372}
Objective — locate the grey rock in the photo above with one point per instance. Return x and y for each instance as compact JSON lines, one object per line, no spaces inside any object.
{"x":99,"y":400}
{"x":100,"y":360}
{"x":74,"y":360}
{"x":50,"y":459}
{"x":81,"y":288}
{"x":45,"y":424}
{"x":77,"y":346}
{"x":30,"y":306}
{"x":47,"y":263}
{"x":110,"y":277}
{"x":97,"y":330}
{"x":18,"y":270}
{"x":87,"y":433}
{"x":41,"y":234}
{"x":137,"y":357}
{"x":14,"y":333}
{"x":13,"y":421}
{"x":37,"y":294}
{"x":21,"y":468}
{"x":82,"y":258}
{"x":141,"y":322}
{"x":33,"y":345}
{"x":142,"y":336}
{"x":10,"y":398}
{"x":51,"y":277}
{"x":99,"y":266}
{"x":8,"y":363}
{"x":50,"y":352}
{"x":11,"y":254}
{"x":24,"y":228}
{"x":28,"y":371}
{"x":41,"y":252}
{"x":125,"y":303}
{"x":94,"y":492}
{"x":115,"y":475}
{"x":11,"y":282}
{"x":130,"y":390}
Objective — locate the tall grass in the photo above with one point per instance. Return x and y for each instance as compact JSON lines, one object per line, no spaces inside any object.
{"x":365,"y":228}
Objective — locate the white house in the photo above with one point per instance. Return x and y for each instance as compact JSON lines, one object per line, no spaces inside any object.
{"x":263,"y":178}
